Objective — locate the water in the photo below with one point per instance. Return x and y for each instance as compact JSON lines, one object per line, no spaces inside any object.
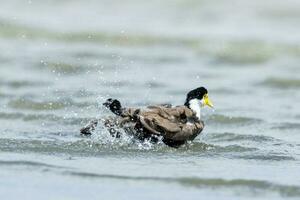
{"x":61,"y":59}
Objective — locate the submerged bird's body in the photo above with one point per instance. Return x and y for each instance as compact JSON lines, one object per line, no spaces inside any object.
{"x":174,"y":125}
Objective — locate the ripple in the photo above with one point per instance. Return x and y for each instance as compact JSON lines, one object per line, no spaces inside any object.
{"x":82,"y":93}
{"x":13,"y":30}
{"x":86,"y":147}
{"x":229,"y":137}
{"x":27,"y":163}
{"x":106,"y":144}
{"x":23,"y":84}
{"x":153,"y":84}
{"x":32,"y":105}
{"x":287,"y":126}
{"x":267,"y":157}
{"x":5,"y":95}
{"x":200,"y":146}
{"x":44,"y":146}
{"x":23,"y":103}
{"x":44,"y":117}
{"x":233,"y":149}
{"x":215,"y":183}
{"x":118,"y":84}
{"x":65,"y":68}
{"x":281,"y":83}
{"x":244,"y":52}
{"x":82,"y":146}
{"x":223,"y":119}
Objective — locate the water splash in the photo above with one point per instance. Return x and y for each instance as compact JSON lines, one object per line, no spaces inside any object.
{"x":102,"y":136}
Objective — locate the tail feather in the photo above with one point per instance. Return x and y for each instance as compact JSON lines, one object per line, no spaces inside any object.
{"x":114,"y":106}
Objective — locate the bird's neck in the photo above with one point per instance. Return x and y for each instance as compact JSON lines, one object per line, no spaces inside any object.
{"x":195,"y":105}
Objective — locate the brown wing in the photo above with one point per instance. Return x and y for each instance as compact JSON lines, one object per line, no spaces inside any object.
{"x":176,"y":123}
{"x":166,"y":105}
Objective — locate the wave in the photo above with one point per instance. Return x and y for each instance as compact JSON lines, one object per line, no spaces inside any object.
{"x":64,"y":67}
{"x":223,"y":119}
{"x":217,"y":149}
{"x":281,"y":83}
{"x":238,"y":53}
{"x":28,"y":163}
{"x":105,"y":144}
{"x":81,"y":146}
{"x":231,"y":51}
{"x":230,"y":137}
{"x":287,"y":126}
{"x":27,"y":104}
{"x":23,"y":84}
{"x":267,"y":157}
{"x":45,"y":117}
{"x":245,"y":152}
{"x":12,"y":30}
{"x":214,"y":183}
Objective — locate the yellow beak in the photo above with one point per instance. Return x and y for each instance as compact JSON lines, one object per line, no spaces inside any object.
{"x":207,"y":101}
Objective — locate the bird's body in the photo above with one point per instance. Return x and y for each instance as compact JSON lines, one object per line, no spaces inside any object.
{"x":175,"y":125}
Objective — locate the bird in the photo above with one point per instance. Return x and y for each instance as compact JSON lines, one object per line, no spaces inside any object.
{"x":173,"y":125}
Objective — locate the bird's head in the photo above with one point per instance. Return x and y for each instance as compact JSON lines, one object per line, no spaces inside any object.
{"x":199,"y":97}
{"x":114,"y":105}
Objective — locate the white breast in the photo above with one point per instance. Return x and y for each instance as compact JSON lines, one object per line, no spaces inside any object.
{"x":195,"y":105}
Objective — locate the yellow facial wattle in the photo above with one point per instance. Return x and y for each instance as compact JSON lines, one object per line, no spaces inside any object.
{"x":207,"y":101}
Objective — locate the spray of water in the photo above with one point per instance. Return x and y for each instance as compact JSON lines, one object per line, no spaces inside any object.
{"x":101,"y":135}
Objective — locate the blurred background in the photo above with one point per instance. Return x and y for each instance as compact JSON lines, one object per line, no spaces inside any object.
{"x":60,"y":59}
